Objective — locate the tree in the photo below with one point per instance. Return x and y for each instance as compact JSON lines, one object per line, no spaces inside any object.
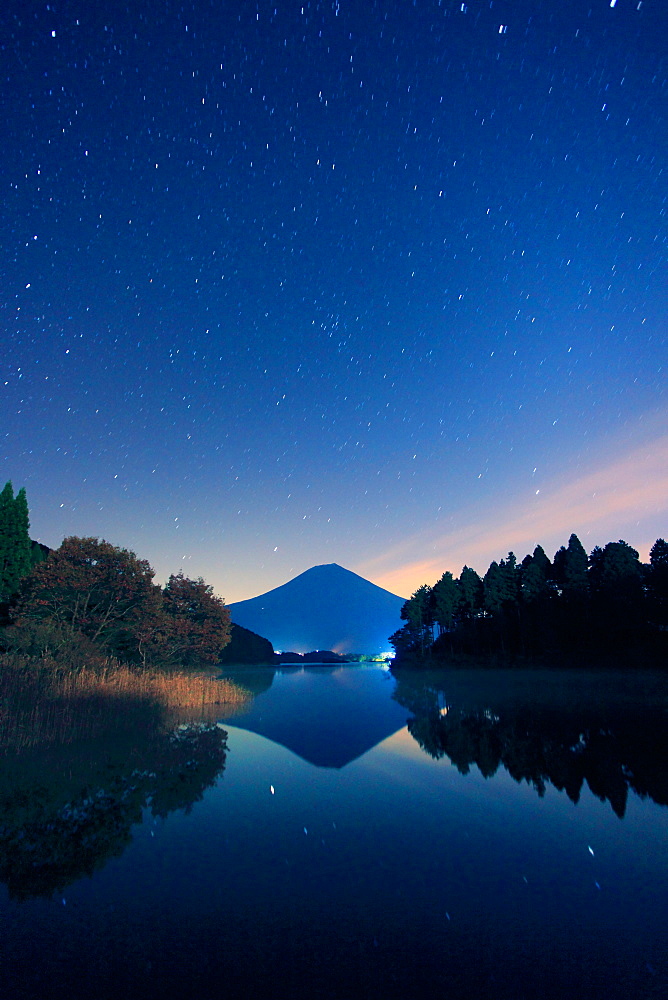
{"x":535,"y":573}
{"x":536,"y":600}
{"x":417,"y":634}
{"x":571,"y":611}
{"x":445,"y":597}
{"x":15,"y":546}
{"x":570,"y":570}
{"x":194,"y":626}
{"x":94,"y":589}
{"x":6,"y":540}
{"x":401,"y":642}
{"x":658,"y":559}
{"x":617,"y":592}
{"x":501,"y":584}
{"x":616,"y":570}
{"x":657,"y":579}
{"x":470,"y":589}
{"x":501,"y":599}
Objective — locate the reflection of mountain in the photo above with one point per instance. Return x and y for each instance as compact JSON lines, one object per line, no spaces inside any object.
{"x":50,"y":835}
{"x":329,"y":716}
{"x":598,"y":734}
{"x":327,"y":607}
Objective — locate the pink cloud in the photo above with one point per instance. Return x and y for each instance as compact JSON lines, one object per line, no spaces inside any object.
{"x":626,"y":497}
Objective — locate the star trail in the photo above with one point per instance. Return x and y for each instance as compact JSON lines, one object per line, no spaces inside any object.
{"x":380,"y":284}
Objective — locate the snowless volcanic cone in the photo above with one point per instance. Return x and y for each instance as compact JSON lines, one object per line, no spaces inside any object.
{"x":326,"y":607}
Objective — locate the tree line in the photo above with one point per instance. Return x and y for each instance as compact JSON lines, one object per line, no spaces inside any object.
{"x":90,"y":599}
{"x":607,"y":601}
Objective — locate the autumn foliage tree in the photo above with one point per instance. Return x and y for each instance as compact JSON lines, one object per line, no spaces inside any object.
{"x":92,"y":589}
{"x":194,"y":623}
{"x":92,"y":593}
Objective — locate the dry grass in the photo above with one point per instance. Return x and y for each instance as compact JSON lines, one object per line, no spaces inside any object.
{"x":41,"y":704}
{"x":171,"y":689}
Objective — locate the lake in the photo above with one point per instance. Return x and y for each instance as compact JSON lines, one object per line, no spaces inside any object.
{"x":480,"y":833}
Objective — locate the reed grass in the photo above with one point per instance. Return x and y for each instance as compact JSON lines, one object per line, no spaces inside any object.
{"x":172,"y":689}
{"x":43,"y":704}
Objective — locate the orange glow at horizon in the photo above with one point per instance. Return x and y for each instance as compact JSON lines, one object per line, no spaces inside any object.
{"x":600,"y":506}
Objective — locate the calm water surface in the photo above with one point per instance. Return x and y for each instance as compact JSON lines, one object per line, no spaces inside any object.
{"x":474,"y":834}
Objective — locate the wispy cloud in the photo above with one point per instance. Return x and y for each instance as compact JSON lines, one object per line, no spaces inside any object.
{"x":616,"y":498}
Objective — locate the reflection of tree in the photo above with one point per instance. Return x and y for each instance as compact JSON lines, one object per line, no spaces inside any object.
{"x":49,"y":840}
{"x":613,"y":748}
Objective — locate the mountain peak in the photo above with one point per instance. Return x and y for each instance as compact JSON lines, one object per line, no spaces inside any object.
{"x":325,"y":607}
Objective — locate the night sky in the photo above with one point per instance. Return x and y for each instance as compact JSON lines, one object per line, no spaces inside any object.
{"x":374,"y":283}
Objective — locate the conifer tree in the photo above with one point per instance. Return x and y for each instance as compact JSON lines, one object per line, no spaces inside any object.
{"x":571,"y":570}
{"x":501,"y":584}
{"x":22,"y":552}
{"x":535,"y":573}
{"x":658,"y":580}
{"x":470,"y":590}
{"x":617,"y":578}
{"x":444,"y":601}
{"x":15,"y":548}
{"x":417,"y":613}
{"x":6,"y":511}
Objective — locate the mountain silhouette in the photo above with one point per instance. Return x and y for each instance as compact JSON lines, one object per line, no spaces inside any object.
{"x":326,"y":607}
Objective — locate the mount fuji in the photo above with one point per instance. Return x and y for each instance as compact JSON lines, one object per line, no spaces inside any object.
{"x":326,"y":607}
